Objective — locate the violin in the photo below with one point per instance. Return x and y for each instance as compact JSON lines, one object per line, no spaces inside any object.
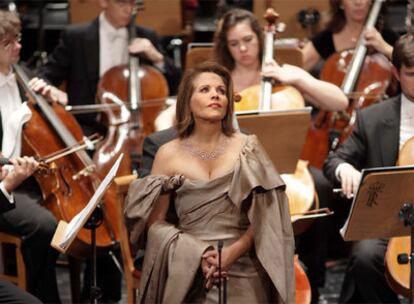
{"x":139,"y":91}
{"x":363,"y":78}
{"x":70,"y":180}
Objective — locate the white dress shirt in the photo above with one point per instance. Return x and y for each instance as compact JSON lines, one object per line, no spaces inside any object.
{"x":407,"y":120}
{"x":113,"y":45}
{"x":14,"y":115}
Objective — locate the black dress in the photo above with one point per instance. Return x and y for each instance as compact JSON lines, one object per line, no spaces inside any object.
{"x":324,"y":44}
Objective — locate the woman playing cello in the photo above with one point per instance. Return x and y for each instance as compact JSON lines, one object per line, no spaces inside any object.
{"x":343,"y":30}
{"x":239,"y":47}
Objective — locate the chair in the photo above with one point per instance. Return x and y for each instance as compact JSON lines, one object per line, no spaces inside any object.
{"x":20,"y":277}
{"x":198,"y":53}
{"x":132,"y":275}
{"x":201,"y":52}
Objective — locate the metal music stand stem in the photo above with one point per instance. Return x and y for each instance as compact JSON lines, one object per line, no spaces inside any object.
{"x":94,"y":221}
{"x":219,"y":249}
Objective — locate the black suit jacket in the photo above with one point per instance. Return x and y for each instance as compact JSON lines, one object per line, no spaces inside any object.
{"x":151,"y":145}
{"x":4,"y":202}
{"x":5,"y":205}
{"x":373,"y":143}
{"x":76,"y":61}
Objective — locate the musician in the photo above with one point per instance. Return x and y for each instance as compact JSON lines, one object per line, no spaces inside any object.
{"x":239,"y":47}
{"x":85,"y":52}
{"x":343,"y":30}
{"x":28,"y":219}
{"x":380,"y":131}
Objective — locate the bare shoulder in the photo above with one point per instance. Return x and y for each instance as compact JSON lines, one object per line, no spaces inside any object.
{"x":164,"y":159}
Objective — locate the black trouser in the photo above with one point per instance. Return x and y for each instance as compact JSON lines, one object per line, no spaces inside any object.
{"x":36,"y":226}
{"x":364,"y":278}
{"x":11,"y":294}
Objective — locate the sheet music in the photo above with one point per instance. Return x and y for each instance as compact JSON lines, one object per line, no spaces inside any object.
{"x":78,"y":221}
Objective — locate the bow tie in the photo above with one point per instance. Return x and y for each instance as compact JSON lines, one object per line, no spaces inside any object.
{"x":118,"y":34}
{"x":9,"y":79}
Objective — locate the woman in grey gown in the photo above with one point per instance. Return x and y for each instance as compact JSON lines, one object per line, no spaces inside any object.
{"x":211,"y":183}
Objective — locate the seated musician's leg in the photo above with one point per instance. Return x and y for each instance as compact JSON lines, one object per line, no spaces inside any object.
{"x":364,"y":278}
{"x":36,"y":225}
{"x":11,"y":294}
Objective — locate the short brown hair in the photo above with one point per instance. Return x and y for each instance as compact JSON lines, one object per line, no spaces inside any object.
{"x":10,"y":25}
{"x":403,"y":52}
{"x":230,"y":19}
{"x":184,"y":117}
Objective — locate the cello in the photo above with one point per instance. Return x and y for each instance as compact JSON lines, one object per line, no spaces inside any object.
{"x":139,"y":91}
{"x":300,"y":187}
{"x":70,"y":181}
{"x":266,"y":97}
{"x":363,"y":78}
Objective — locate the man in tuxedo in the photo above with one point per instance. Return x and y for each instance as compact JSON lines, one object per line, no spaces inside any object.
{"x":380,"y":132}
{"x":85,"y":52}
{"x":28,"y":219}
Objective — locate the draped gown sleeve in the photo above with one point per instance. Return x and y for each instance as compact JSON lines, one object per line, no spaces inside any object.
{"x":269,"y":216}
{"x":167,"y":247}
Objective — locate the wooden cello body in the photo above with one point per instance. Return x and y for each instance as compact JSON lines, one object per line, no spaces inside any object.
{"x":139,"y":90}
{"x":127,"y":128}
{"x":363,"y":78}
{"x":69,"y":183}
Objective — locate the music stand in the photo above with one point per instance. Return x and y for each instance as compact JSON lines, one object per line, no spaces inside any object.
{"x":383,"y":207}
{"x":89,"y":217}
{"x":282,"y":133}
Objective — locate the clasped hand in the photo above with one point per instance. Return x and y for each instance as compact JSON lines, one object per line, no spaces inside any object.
{"x":210,"y":266}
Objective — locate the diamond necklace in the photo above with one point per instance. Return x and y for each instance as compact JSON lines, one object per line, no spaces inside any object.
{"x":205,"y":155}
